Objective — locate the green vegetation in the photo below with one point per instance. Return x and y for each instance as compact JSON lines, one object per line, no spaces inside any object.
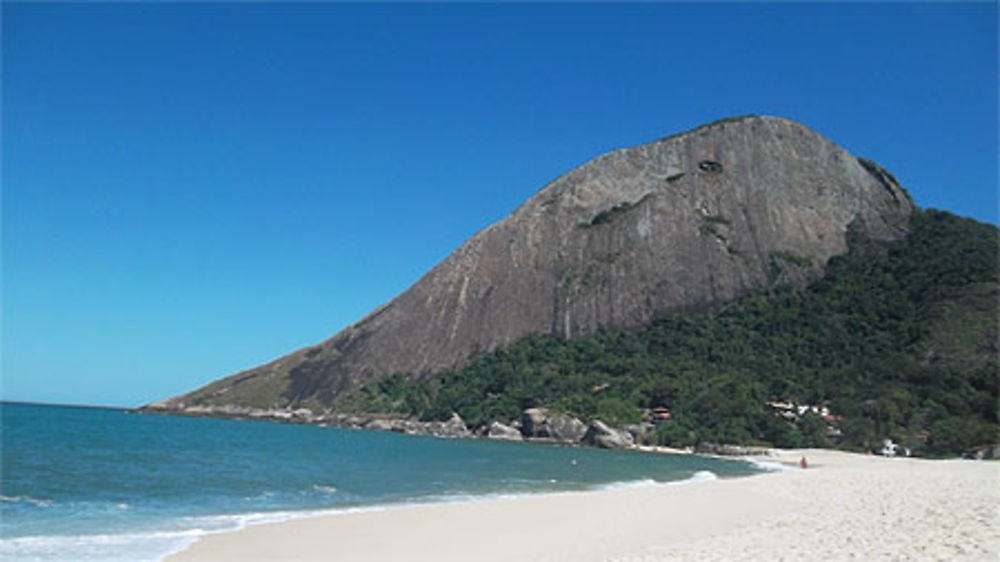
{"x":898,"y":339}
{"x":392,"y":394}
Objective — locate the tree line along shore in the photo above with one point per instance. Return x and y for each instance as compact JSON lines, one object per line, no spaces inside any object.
{"x":895,"y":341}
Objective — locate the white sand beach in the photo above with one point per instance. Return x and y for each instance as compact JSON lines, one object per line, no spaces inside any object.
{"x":845,"y":506}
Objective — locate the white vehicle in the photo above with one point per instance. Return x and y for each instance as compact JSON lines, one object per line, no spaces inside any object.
{"x":889,"y":449}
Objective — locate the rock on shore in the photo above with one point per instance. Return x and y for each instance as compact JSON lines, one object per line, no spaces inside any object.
{"x":599,"y":434}
{"x":540,"y":423}
{"x":497,"y":430}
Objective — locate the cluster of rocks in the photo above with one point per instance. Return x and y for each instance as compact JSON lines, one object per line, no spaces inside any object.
{"x":536,"y":424}
{"x":543,"y":424}
{"x":454,"y":427}
{"x":497,"y":430}
{"x":599,"y":434}
{"x":730,"y":450}
{"x":540,"y":423}
{"x":300,"y":415}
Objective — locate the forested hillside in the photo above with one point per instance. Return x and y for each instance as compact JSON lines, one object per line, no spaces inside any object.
{"x":898,"y":340}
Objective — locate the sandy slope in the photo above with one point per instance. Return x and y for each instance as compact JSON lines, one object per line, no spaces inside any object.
{"x":843,"y":507}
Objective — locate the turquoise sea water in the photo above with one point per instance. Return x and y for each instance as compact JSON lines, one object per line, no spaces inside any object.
{"x":105,"y":484}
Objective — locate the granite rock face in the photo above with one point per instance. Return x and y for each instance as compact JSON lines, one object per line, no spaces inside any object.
{"x":497,"y":430}
{"x":687,"y":223}
{"x":599,"y":434}
{"x":533,"y":423}
{"x":540,"y":423}
{"x":455,"y":427}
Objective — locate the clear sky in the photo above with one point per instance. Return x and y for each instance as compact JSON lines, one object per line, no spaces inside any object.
{"x":192,"y":189}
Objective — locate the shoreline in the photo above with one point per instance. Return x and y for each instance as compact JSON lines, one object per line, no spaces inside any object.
{"x":621,"y":438}
{"x":281,"y":517}
{"x":428,"y":508}
{"x":845,"y":505}
{"x":250,"y":520}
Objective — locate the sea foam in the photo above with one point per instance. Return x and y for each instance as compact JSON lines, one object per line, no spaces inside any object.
{"x":770,"y":466}
{"x":700,"y":476}
{"x":25,"y":499}
{"x":130,"y":547}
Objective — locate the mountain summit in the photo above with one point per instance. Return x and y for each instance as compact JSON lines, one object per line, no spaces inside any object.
{"x":686,"y":223}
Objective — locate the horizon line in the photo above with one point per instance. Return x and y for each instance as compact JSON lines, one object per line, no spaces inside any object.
{"x":63,"y":405}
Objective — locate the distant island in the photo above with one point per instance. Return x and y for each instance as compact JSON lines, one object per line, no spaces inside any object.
{"x":748,"y":282}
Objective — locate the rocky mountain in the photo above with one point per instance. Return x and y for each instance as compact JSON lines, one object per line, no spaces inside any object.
{"x":686,"y":223}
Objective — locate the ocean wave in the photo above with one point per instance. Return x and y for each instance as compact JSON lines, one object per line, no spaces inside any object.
{"x":129,"y":547}
{"x":628,"y":484}
{"x":154,"y":546}
{"x":700,"y":476}
{"x":150,"y":546}
{"x":236,"y":521}
{"x":265,"y":495}
{"x":324,"y":489}
{"x":25,"y":499}
{"x":770,"y":466}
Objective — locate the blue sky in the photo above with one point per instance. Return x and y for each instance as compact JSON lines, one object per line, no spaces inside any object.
{"x":193,"y":189}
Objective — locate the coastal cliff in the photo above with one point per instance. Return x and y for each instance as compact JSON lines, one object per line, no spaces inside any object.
{"x":684,"y":224}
